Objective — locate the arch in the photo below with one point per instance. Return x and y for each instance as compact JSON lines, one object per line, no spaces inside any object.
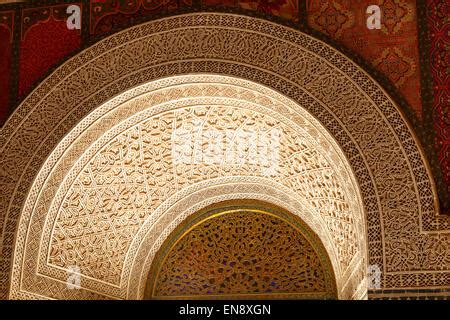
{"x":121,"y":131}
{"x":273,"y":255}
{"x":391,"y":176}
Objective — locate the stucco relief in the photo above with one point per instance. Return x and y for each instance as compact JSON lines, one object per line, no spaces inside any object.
{"x":83,"y":221}
{"x":404,"y":234}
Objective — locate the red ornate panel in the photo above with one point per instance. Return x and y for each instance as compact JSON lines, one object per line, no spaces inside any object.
{"x":45,"y":41}
{"x":287,"y":9}
{"x":6,"y":37}
{"x":439,"y":28}
{"x":392,"y":50}
{"x":108,"y":14}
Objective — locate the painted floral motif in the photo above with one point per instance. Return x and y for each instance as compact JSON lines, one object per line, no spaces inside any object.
{"x":332,"y":19}
{"x":395,"y":13}
{"x":105,"y":15}
{"x":395,"y":65}
{"x":243,"y":252}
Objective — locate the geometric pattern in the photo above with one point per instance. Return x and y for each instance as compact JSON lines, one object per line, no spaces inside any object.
{"x":332,"y":19}
{"x":76,"y":238}
{"x":439,"y":119}
{"x":395,"y":186}
{"x":133,"y":174}
{"x":106,"y":15}
{"x":245,"y":252}
{"x":346,"y":24}
{"x":24,"y":63}
{"x":395,"y":13}
{"x":393,"y":63}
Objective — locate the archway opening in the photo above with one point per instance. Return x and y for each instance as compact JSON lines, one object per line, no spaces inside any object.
{"x":242,"y":249}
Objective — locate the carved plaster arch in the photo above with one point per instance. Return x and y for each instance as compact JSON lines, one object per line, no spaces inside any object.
{"x":182,"y":99}
{"x":391,"y":174}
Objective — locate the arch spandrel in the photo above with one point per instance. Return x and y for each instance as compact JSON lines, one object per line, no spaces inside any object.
{"x":395,"y":185}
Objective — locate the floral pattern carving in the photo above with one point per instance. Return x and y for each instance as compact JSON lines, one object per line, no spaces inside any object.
{"x":394,"y":183}
{"x":240,"y":253}
{"x":332,"y":19}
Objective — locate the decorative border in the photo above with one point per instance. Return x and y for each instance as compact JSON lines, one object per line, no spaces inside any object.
{"x":402,"y":130}
{"x":425,"y":131}
{"x":229,"y":206}
{"x":139,"y":109}
{"x":428,"y":133}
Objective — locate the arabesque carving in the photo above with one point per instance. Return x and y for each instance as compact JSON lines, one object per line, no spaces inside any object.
{"x":65,"y":124}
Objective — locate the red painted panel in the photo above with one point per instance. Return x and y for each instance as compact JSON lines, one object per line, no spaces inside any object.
{"x":6,"y":30}
{"x":287,"y":9}
{"x":46,"y":40}
{"x":106,"y":14}
{"x":439,"y":29}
